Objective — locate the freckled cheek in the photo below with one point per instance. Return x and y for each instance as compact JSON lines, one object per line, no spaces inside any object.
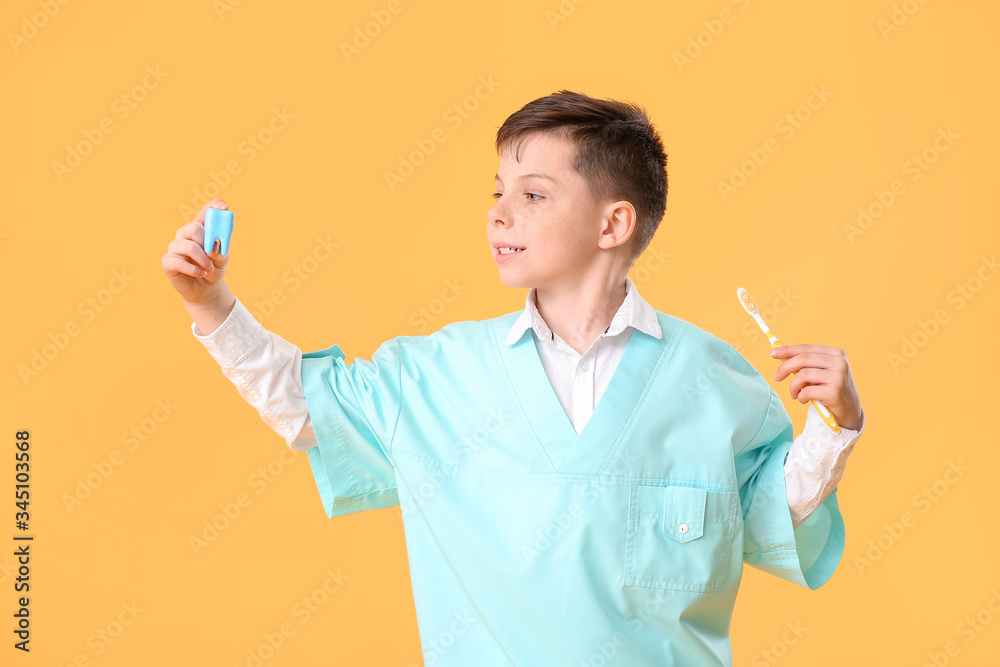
{"x":540,"y":230}
{"x":524,"y":212}
{"x":527,"y":220}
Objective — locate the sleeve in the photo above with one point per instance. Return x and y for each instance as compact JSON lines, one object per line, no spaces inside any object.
{"x":354,"y":409}
{"x":806,"y":555}
{"x":264,"y":367}
{"x":815,"y":463}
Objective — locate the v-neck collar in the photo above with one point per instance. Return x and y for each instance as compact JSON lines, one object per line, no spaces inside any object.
{"x":562,"y":449}
{"x":634,"y":311}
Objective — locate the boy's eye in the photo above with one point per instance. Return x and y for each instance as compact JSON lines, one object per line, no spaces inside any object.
{"x":497,"y":195}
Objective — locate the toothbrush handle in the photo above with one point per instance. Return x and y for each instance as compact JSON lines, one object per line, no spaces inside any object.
{"x":824,"y":414}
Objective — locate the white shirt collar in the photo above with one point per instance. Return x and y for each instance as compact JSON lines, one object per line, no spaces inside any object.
{"x":634,"y":312}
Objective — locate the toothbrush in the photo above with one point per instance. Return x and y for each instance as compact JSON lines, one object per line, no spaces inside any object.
{"x":751,"y":308}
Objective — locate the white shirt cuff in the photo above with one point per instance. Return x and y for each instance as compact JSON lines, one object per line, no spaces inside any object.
{"x":823,"y":445}
{"x":232,"y":339}
{"x":815,"y":463}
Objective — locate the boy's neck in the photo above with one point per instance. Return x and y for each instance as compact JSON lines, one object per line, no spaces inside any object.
{"x":580,"y":313}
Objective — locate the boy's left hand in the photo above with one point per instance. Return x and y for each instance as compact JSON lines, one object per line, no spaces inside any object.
{"x":821,"y":373}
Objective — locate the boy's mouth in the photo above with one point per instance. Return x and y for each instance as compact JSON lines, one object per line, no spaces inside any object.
{"x":506,"y":253}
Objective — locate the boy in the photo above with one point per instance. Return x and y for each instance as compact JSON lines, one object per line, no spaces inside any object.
{"x":572,"y":496}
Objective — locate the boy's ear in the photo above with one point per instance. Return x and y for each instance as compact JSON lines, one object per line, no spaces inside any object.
{"x":619,"y":225}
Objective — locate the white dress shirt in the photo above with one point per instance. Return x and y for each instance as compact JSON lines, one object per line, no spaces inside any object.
{"x":267,"y":373}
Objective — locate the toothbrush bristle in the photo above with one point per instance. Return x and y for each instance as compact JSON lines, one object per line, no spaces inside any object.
{"x":746,"y":300}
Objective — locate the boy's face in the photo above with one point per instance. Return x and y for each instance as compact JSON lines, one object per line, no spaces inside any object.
{"x":545,"y":207}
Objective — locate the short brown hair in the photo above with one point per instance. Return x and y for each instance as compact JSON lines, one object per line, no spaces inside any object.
{"x":618,"y":151}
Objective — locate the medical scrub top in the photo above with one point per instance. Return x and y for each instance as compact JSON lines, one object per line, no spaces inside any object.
{"x":530,"y":544}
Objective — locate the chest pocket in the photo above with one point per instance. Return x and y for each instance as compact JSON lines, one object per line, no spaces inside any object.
{"x":679,"y":537}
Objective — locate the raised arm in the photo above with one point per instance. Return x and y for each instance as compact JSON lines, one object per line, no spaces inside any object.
{"x":264,"y":367}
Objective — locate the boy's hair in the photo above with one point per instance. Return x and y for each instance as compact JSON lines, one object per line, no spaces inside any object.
{"x":618,"y":152}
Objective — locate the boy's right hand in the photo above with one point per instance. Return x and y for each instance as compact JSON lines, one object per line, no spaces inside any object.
{"x":197,"y":277}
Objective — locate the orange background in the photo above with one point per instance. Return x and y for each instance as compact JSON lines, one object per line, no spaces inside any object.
{"x":901,"y":593}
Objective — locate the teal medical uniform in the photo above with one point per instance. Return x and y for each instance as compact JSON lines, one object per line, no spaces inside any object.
{"x":529,"y":544}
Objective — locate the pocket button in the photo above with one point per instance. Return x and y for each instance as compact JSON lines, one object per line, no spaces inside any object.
{"x":684,"y":512}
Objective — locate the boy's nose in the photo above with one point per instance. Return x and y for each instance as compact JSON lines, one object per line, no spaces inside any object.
{"x":494,"y":217}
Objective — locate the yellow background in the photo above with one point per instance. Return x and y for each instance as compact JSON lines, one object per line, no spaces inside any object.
{"x":781,"y":236}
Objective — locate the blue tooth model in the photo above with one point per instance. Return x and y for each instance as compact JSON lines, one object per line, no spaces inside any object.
{"x":218,"y":225}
